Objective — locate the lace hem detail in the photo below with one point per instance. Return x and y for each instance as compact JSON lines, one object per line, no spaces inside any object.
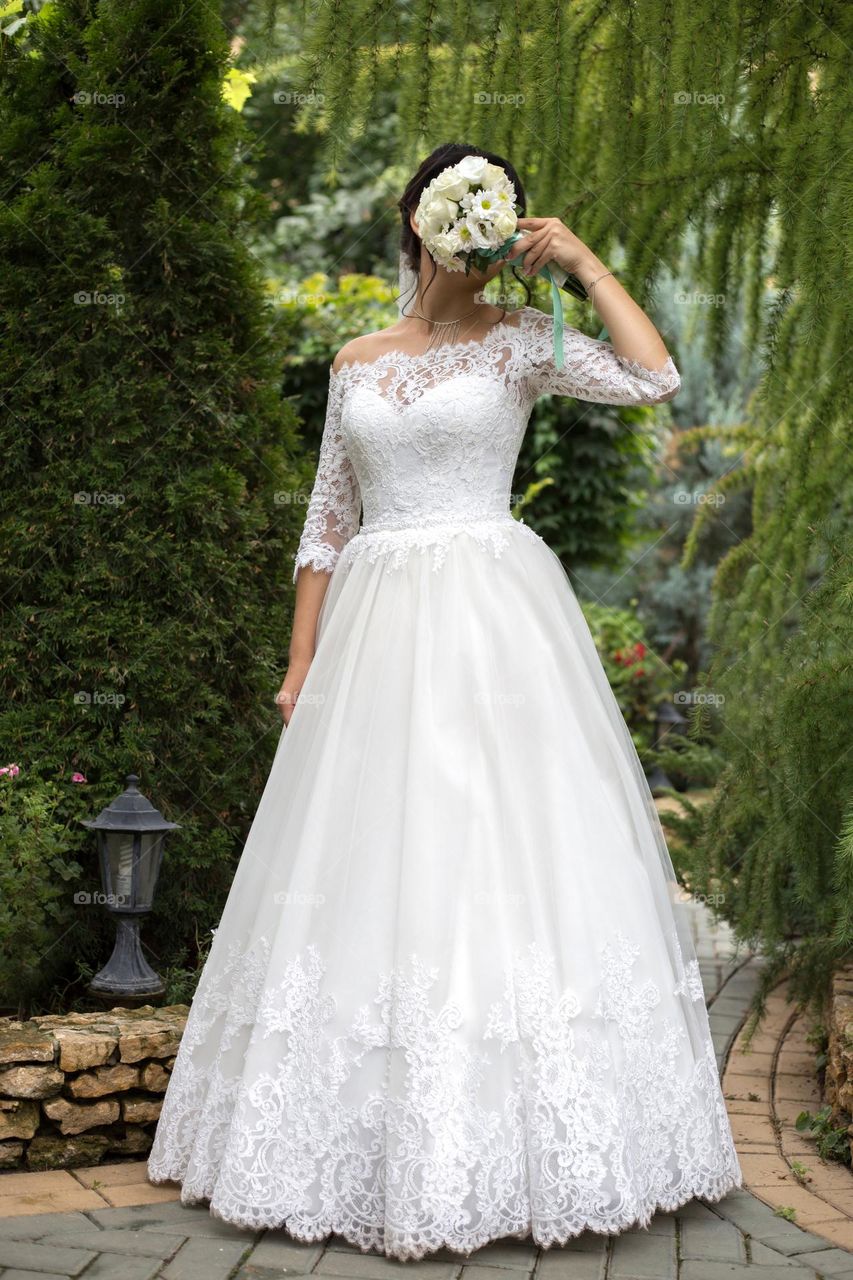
{"x":394,"y":546}
{"x":403,"y":1130}
{"x":666,"y":379}
{"x":320,"y":556}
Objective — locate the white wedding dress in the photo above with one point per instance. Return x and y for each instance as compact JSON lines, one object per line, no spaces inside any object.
{"x":452,"y":996}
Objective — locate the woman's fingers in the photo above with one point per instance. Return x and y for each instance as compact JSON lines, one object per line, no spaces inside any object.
{"x":537,"y":251}
{"x":543,"y":252}
{"x":529,"y":247}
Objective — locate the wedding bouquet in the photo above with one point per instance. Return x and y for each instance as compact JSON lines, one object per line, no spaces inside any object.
{"x":468,"y":216}
{"x":467,"y":213}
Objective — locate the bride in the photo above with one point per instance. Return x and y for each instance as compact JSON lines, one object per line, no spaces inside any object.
{"x":452,"y":996}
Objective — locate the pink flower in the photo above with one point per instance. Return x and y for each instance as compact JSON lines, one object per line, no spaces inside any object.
{"x":12,"y":769}
{"x":79,"y":777}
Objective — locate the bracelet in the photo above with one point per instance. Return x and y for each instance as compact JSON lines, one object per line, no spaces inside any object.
{"x":591,"y":286}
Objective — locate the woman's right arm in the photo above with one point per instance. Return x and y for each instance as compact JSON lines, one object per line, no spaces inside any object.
{"x":331,"y":520}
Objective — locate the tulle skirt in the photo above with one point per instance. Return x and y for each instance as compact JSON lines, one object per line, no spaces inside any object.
{"x":452,"y":996}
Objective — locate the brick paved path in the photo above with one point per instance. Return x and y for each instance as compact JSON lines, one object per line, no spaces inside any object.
{"x":738,"y":1237}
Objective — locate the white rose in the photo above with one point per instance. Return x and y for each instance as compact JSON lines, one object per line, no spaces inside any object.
{"x":495,"y":176}
{"x":443,"y":248}
{"x":449,"y":183}
{"x":435,"y":214}
{"x":505,"y":222}
{"x":472,"y":168}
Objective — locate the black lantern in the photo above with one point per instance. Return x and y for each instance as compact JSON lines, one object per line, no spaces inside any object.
{"x":668,"y":720}
{"x":131,"y":833}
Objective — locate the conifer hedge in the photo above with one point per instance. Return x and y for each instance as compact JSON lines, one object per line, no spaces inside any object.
{"x":145,"y":571}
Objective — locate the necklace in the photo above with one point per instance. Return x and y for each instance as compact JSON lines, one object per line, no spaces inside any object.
{"x":443,"y":331}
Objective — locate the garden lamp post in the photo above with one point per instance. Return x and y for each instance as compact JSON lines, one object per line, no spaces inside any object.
{"x":668,"y":720}
{"x":130,"y":835}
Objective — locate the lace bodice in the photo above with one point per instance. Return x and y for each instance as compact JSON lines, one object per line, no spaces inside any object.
{"x":432,"y":439}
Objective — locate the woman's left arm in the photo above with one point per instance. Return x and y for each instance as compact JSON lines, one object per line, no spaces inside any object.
{"x":632,"y":333}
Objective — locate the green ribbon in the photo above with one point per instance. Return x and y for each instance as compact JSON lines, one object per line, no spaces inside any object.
{"x":575,"y":288}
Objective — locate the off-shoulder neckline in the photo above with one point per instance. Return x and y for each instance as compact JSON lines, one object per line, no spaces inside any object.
{"x":396,"y":356}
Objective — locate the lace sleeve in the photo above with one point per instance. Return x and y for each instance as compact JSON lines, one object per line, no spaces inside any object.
{"x":591,"y":369}
{"x":335,"y":503}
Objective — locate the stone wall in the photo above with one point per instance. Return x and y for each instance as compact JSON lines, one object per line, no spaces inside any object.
{"x":83,"y":1087}
{"x":838,"y":1086}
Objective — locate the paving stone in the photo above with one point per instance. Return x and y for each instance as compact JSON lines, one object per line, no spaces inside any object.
{"x":29,"y":1226}
{"x":571,"y":1264}
{"x":108,"y":1266}
{"x":585,"y":1242}
{"x":762,"y":1256}
{"x":131,"y":1242}
{"x":251,"y":1272}
{"x":696,"y":1270}
{"x":374,"y":1266}
{"x":279,"y":1250}
{"x":750,"y":1214}
{"x":205,"y":1260}
{"x":517,"y":1254}
{"x":15,"y":1274}
{"x":637,"y":1254}
{"x":792,"y":1243}
{"x":28,"y":1256}
{"x":338,"y":1242}
{"x":475,"y":1271}
{"x":837,"y":1263}
{"x":722,"y":1021}
{"x":718,"y":1240}
{"x":172,"y":1218}
{"x":696,"y":1210}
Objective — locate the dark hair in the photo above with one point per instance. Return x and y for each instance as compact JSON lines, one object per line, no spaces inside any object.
{"x":449,"y":153}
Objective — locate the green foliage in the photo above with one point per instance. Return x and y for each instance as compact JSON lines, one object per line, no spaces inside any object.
{"x":672,"y":599}
{"x":637,"y":676}
{"x":597,"y":460}
{"x":318,"y":315}
{"x":778,"y":837}
{"x":38,"y":845}
{"x":146,"y":558}
{"x":833,"y":1141}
